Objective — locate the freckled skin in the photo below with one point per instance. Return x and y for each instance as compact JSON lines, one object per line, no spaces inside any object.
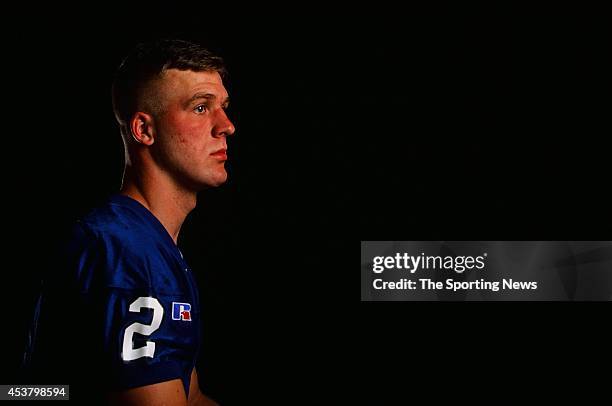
{"x":184,"y":137}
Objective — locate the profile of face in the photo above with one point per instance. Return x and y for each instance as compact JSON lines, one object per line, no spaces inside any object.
{"x":190,"y":128}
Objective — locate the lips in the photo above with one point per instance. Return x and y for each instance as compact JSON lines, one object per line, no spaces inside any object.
{"x":220,"y":154}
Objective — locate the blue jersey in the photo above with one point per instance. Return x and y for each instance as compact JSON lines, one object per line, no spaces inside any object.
{"x":123,"y":305}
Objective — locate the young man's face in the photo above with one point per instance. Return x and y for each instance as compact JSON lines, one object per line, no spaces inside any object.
{"x":191,"y":128}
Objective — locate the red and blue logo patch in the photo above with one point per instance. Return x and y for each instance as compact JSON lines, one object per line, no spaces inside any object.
{"x":181,"y":311}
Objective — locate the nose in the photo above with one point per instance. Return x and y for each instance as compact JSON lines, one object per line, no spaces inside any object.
{"x":223,"y":126}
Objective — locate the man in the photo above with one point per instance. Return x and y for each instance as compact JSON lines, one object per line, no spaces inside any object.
{"x":123,"y":307}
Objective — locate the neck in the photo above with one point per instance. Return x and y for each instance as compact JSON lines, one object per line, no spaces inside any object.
{"x":157,"y":192}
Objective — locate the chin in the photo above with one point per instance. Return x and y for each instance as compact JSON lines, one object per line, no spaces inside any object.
{"x":215,"y":181}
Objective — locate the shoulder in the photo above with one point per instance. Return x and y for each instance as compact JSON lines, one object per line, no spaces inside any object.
{"x":112,"y":224}
{"x":112,"y":245}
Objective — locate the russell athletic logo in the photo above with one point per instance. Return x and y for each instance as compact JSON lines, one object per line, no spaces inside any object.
{"x":181,"y":311}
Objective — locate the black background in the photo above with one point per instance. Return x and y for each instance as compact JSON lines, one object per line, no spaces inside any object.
{"x":351,"y":125}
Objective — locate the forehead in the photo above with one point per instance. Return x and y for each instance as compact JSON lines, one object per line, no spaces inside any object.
{"x":182,"y":84}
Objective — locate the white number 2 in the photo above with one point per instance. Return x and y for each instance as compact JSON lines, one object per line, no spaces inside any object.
{"x":130,"y":353}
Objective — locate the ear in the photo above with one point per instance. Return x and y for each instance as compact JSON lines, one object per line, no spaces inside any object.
{"x":142,"y":128}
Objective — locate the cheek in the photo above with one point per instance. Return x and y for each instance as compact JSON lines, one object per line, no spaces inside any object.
{"x":187,"y":132}
{"x":179,"y":129}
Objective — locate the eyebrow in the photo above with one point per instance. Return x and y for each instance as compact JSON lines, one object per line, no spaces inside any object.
{"x":207,"y":96}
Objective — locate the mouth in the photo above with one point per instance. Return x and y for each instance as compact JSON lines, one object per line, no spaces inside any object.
{"x":220,"y":154}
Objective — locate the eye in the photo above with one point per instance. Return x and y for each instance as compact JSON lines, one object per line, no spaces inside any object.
{"x":199,"y":109}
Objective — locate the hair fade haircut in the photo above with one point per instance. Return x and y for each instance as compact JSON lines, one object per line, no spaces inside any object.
{"x":148,"y":61}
